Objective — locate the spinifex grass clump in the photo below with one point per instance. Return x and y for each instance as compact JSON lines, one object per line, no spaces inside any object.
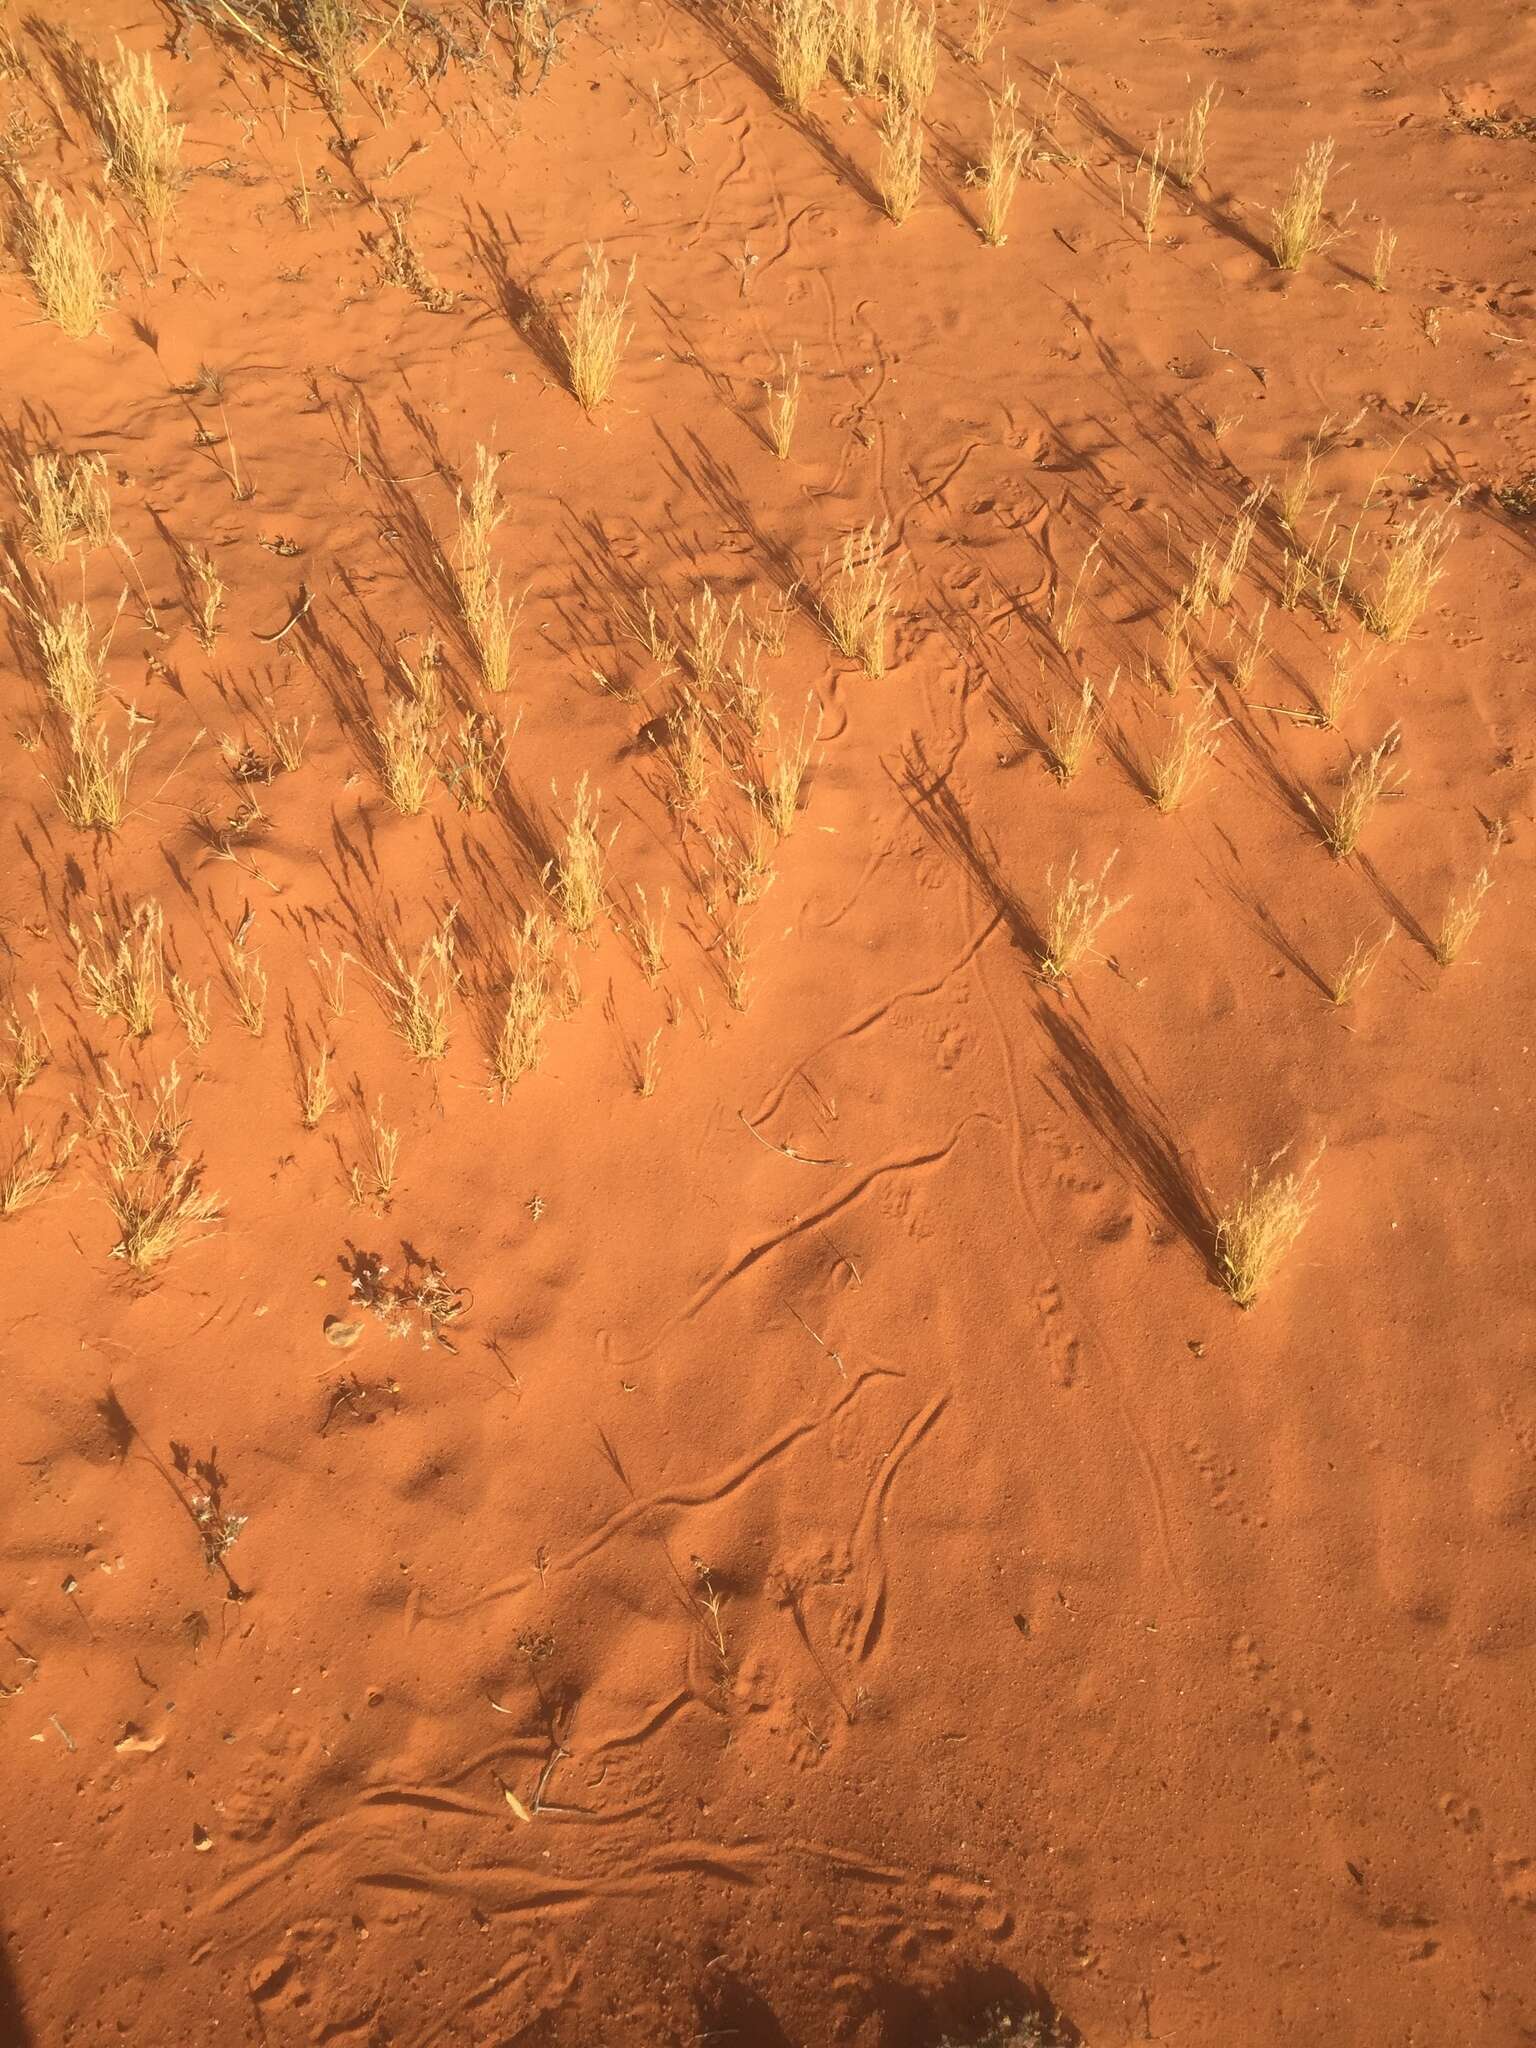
{"x":155,"y":1196}
{"x":594,"y":343}
{"x":1255,"y":1233}
{"x":784,"y":405}
{"x":901,"y":157}
{"x":1411,"y":564}
{"x":1072,"y":726}
{"x":123,"y":976}
{"x":1076,"y":914}
{"x":1177,"y":769}
{"x":576,"y":874}
{"x":1002,"y":166}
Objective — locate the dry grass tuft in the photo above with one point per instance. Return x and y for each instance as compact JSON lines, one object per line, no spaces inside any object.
{"x":246,"y":980}
{"x":518,"y":1045}
{"x":1358,"y":967}
{"x":1381,"y":259}
{"x":374,"y":1178}
{"x":1367,"y":780}
{"x":1299,"y":230}
{"x":156,"y":1197}
{"x":784,"y":774}
{"x":1175,"y":772}
{"x":900,"y":176}
{"x":206,"y":590}
{"x":1413,"y":562}
{"x":419,"y":994}
{"x":802,"y":34}
{"x":64,"y":500}
{"x":1461,"y":918}
{"x":406,"y":748}
{"x":784,"y":406}
{"x":858,"y":599}
{"x":66,"y":258}
{"x":1076,"y":914}
{"x":1255,"y":1233}
{"x":31,"y":1048}
{"x":594,"y":343}
{"x":91,"y":781}
{"x":124,"y":977}
{"x":143,"y":144}
{"x":30,"y":1171}
{"x":576,"y":875}
{"x":1186,"y":158}
{"x":1072,"y":726}
{"x":1002,"y":166}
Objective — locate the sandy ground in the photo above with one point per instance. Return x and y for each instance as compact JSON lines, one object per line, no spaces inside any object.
{"x":839,"y":1561}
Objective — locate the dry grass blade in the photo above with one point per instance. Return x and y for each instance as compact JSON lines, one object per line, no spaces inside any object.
{"x":1077,"y":912}
{"x":246,"y":979}
{"x":784,"y":406}
{"x":31,"y":1048}
{"x":1002,"y":166}
{"x":156,"y":1197}
{"x":901,"y":158}
{"x":419,"y":993}
{"x":406,"y":749}
{"x":91,"y":785}
{"x":784,"y":776}
{"x":1255,"y":1233}
{"x":518,"y":1044}
{"x":1187,"y":156}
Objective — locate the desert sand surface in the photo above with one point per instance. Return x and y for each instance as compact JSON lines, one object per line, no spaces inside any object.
{"x":627,"y":1417}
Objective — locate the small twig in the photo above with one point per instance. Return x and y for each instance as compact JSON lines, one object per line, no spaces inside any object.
{"x":789,"y":1152}
{"x":835,"y":1356}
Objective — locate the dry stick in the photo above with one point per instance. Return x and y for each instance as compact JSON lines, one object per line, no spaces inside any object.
{"x":789,"y":1152}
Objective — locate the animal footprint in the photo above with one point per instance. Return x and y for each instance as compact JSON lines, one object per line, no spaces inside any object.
{"x":1461,"y":1813}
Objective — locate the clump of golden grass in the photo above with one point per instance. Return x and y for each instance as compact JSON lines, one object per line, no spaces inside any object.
{"x":1153,"y":171}
{"x":858,"y":43}
{"x":423,"y":676}
{"x":489,"y":613}
{"x":688,"y":748}
{"x":1071,"y":727}
{"x":1298,"y":229}
{"x":901,"y":157}
{"x":802,"y":34}
{"x":1186,"y":162}
{"x":519,"y":1041}
{"x":73,"y":657}
{"x":331,"y":974}
{"x":648,"y":1066}
{"x":247,"y":982}
{"x":91,"y":785}
{"x":123,"y":977}
{"x":406,"y":749}
{"x":1413,"y":562}
{"x":190,"y":1007}
{"x":1173,"y":773}
{"x":286,"y":740}
{"x":1255,"y":1233}
{"x":143,"y":144}
{"x":784,"y":774}
{"x":62,"y":500}
{"x":1002,"y":166}
{"x":156,"y":1197}
{"x":29,"y":1172}
{"x":473,"y":760}
{"x":1296,"y":491}
{"x":983,"y":31}
{"x":648,"y":935}
{"x":312,"y":1080}
{"x":375,"y":1176}
{"x":66,"y":258}
{"x":857,"y":599}
{"x":1077,"y":912}
{"x":1177,"y":657}
{"x":1341,"y":688}
{"x":1381,"y":258}
{"x":594,"y":343}
{"x":1232,"y":564}
{"x":1359,"y":965}
{"x":709,"y":633}
{"x":207,"y":594}
{"x":910,"y":65}
{"x":1461,"y":918}
{"x":577,"y":871}
{"x":419,"y":993}
{"x":31,"y":1048}
{"x":784,"y":406}
{"x":1367,"y":780}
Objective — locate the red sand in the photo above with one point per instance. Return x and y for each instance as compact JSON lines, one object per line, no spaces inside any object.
{"x":1085,"y":1638}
